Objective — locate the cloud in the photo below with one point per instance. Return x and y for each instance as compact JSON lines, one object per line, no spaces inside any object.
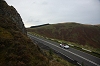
{"x":53,"y":11}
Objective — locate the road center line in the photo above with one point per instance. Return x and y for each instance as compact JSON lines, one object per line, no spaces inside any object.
{"x":70,"y":52}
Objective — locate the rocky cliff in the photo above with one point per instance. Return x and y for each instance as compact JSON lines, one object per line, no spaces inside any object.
{"x":11,"y":13}
{"x":16,"y":49}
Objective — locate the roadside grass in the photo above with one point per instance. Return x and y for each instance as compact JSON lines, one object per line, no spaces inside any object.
{"x":56,"y":60}
{"x":84,"y":48}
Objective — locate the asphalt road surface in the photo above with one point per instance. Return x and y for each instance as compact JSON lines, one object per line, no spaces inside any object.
{"x":71,"y":53}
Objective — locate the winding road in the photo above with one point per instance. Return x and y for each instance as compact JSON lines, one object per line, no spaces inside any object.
{"x":71,"y":53}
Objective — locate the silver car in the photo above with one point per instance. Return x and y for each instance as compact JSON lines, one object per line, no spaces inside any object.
{"x":64,"y":46}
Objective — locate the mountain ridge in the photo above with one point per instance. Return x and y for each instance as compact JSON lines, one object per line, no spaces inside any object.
{"x":74,"y":32}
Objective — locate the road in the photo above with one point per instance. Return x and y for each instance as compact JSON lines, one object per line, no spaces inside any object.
{"x":71,"y":53}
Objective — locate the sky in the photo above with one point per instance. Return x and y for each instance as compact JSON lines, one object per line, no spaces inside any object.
{"x":37,"y":12}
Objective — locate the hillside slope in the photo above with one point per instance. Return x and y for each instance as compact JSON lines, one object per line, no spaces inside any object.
{"x":16,"y":49}
{"x":11,"y":13}
{"x":73,"y":32}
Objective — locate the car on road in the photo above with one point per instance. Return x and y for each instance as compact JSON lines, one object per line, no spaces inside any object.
{"x":61,"y":45}
{"x":64,"y":46}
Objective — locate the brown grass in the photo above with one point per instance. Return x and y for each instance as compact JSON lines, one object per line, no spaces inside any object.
{"x":73,"y":32}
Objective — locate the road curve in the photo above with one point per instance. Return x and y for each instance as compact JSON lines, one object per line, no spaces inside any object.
{"x":71,"y":53}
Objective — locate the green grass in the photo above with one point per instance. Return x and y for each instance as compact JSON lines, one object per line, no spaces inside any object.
{"x":73,"y":32}
{"x":56,"y":60}
{"x":92,"y":51}
{"x":5,"y":34}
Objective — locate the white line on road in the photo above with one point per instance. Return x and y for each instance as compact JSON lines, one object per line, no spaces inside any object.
{"x":70,"y":52}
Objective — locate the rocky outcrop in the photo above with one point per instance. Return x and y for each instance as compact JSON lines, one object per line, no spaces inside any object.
{"x":16,"y":49}
{"x":11,"y":13}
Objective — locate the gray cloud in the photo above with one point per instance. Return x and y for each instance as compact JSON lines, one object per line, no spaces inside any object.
{"x":53,"y":11}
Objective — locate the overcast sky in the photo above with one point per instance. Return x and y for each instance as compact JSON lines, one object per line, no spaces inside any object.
{"x":37,"y":12}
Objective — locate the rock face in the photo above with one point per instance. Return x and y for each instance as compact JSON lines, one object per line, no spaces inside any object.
{"x":16,"y":49}
{"x":11,"y":13}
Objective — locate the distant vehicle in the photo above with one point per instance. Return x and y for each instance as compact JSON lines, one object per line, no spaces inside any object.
{"x":64,"y":46}
{"x":61,"y":45}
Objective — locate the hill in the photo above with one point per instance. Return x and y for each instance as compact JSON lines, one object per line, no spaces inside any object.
{"x":81,"y":34}
{"x":16,"y":49}
{"x":11,"y":13}
{"x":39,"y":26}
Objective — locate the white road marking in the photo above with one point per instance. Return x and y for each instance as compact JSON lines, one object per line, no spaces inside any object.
{"x":70,"y":52}
{"x":87,"y":54}
{"x":79,"y":51}
{"x":62,"y":53}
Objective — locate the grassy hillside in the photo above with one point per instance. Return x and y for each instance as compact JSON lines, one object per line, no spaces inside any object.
{"x":16,"y":49}
{"x":81,"y":34}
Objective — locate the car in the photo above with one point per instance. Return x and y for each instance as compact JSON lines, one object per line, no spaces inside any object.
{"x":61,"y":45}
{"x":64,"y":46}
